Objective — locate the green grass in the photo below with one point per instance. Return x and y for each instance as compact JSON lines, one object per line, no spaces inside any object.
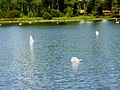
{"x":54,"y":19}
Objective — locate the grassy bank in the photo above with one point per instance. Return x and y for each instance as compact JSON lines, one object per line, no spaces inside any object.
{"x":54,"y":19}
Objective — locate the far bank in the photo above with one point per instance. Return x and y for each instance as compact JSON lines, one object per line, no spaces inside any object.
{"x":54,"y":19}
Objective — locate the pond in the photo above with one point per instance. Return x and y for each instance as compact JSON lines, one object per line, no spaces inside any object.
{"x":46,"y":65}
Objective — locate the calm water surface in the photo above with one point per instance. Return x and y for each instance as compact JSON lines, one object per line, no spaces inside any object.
{"x":47,"y":65}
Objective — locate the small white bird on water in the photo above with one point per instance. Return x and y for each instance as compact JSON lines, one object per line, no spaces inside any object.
{"x":97,"y":33}
{"x":31,"y":41}
{"x":20,"y":24}
{"x":117,"y":21}
{"x":75,"y":60}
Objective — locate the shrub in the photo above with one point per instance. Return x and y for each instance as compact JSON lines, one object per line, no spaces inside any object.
{"x":22,"y":14}
{"x":69,"y":11}
{"x":30,"y":14}
{"x":13,"y":14}
{"x":47,"y":16}
{"x":1,"y":14}
{"x":55,"y":13}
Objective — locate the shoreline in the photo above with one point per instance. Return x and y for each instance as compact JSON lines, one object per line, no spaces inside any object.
{"x":62,"y":20}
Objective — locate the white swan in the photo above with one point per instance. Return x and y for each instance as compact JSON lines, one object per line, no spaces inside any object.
{"x":31,"y":41}
{"x":75,"y":60}
{"x":30,"y":22}
{"x":97,"y":33}
{"x":117,"y":21}
{"x":20,"y":24}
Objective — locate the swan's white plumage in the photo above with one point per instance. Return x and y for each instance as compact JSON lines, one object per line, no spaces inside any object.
{"x":75,"y":60}
{"x":20,"y":24}
{"x":117,"y":22}
{"x":97,"y":33}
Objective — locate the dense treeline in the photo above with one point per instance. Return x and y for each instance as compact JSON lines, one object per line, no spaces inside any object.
{"x":55,"y":8}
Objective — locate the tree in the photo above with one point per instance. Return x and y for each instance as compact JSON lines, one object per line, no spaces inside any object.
{"x":63,"y":7}
{"x":90,"y":6}
{"x":116,"y":7}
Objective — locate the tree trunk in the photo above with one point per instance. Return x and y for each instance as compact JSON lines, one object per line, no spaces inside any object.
{"x":58,"y":4}
{"x":84,"y":8}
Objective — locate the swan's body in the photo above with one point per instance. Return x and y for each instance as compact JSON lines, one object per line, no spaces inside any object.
{"x":117,"y":22}
{"x":30,"y":22}
{"x":31,"y":41}
{"x":75,"y":60}
{"x":20,"y":24}
{"x":97,"y":33}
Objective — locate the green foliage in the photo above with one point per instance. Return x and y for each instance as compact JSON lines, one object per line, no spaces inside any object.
{"x":47,"y":16}
{"x":1,"y":14}
{"x":99,"y":10}
{"x":13,"y":14}
{"x":55,"y":13}
{"x":30,"y":14}
{"x":56,"y":8}
{"x":69,"y":11}
{"x":22,"y":14}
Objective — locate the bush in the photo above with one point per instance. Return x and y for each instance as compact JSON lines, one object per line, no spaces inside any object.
{"x":47,"y":16}
{"x":1,"y":14}
{"x":116,"y":15}
{"x":22,"y":14}
{"x":55,"y":13}
{"x":69,"y":14}
{"x":30,"y":14}
{"x":69,"y":11}
{"x":13,"y":14}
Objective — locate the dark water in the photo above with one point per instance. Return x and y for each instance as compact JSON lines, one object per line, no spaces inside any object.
{"x":47,"y":65}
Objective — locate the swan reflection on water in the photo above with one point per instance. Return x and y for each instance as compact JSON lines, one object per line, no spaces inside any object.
{"x":75,"y":66}
{"x":31,"y":41}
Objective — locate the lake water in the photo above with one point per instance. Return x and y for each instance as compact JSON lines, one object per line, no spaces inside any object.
{"x":46,"y":65}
